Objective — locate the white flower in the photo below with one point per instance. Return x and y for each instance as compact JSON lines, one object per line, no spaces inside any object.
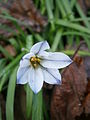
{"x":39,"y":66}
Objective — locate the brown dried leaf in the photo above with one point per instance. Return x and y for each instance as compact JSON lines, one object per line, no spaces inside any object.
{"x":24,"y":11}
{"x":67,"y":99}
{"x":87,"y":104}
{"x":85,"y":5}
{"x":11,"y":50}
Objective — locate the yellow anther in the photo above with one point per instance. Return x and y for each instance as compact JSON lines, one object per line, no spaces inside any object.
{"x":38,"y":60}
{"x":35,"y":61}
{"x":35,"y":65}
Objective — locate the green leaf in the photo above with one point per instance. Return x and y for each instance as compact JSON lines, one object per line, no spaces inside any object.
{"x":29,"y":99}
{"x":29,"y":41}
{"x":73,"y":26}
{"x":5,"y":52}
{"x":37,"y":108}
{"x":57,"y":40}
{"x":10,"y":96}
{"x":82,"y":16}
{"x":2,"y":64}
{"x":3,"y":80}
{"x":14,"y":62}
{"x":71,"y":52}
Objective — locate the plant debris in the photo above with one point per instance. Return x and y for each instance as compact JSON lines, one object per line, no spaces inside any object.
{"x":25,"y":15}
{"x":67,"y":99}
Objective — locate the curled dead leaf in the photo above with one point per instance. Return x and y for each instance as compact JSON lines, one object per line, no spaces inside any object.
{"x":67,"y":99}
{"x":26,"y":15}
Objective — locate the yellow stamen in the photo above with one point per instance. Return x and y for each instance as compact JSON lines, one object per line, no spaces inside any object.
{"x":35,"y":61}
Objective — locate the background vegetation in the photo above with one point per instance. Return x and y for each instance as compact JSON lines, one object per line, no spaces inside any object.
{"x":66,"y":24}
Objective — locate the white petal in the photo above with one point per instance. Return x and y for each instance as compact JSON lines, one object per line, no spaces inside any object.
{"x":25,"y":61}
{"x":56,"y":60}
{"x":43,"y":54}
{"x":28,"y":56}
{"x":36,"y":79}
{"x":22,"y":75}
{"x":52,"y":76}
{"x":40,"y":46}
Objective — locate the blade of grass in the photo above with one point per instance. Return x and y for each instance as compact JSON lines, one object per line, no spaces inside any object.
{"x":66,"y":4}
{"x":57,"y":40}
{"x":87,"y":41}
{"x":82,"y":16}
{"x":61,"y":9}
{"x":2,"y":64}
{"x":73,"y":26}
{"x":8,"y":67}
{"x":5,"y":52}
{"x":80,"y":19}
{"x":75,"y":33}
{"x":37,"y":112}
{"x":71,"y":52}
{"x":10,"y":96}
{"x":3,"y":80}
{"x":29,"y":41}
{"x":29,"y":100}
{"x":50,"y":13}
{"x":73,"y":3}
{"x":49,"y":9}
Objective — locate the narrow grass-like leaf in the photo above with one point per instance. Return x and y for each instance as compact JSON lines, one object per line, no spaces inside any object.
{"x":75,"y":33}
{"x":70,"y":40}
{"x":14,"y":42}
{"x":61,"y":8}
{"x":67,"y":7}
{"x":38,"y":37}
{"x":57,"y":39}
{"x":82,"y":15}
{"x":49,"y":9}
{"x":29,"y":41}
{"x":3,"y":80}
{"x":2,"y":64}
{"x":10,"y":96}
{"x":71,"y":52}
{"x":37,"y":111}
{"x":87,"y":41}
{"x":5,"y":52}
{"x":29,"y":99}
{"x":80,"y":19}
{"x":8,"y":67}
{"x":73,"y":3}
{"x":73,"y":26}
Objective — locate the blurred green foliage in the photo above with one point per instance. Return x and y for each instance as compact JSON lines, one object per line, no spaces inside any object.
{"x":64,"y":30}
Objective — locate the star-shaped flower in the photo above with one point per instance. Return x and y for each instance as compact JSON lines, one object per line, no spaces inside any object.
{"x":39,"y":66}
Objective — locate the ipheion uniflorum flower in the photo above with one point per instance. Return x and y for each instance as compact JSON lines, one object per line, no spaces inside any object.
{"x":39,"y":65}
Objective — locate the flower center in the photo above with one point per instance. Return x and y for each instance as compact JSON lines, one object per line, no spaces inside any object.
{"x":35,"y":61}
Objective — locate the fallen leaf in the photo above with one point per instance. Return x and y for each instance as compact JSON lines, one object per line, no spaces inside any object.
{"x":85,"y":5}
{"x":67,"y":98}
{"x":25,"y":12}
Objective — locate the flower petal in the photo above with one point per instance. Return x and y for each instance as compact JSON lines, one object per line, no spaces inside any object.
{"x":22,"y":75}
{"x":52,"y":76}
{"x":43,"y":54}
{"x":28,"y":56}
{"x":38,"y":47}
{"x":56,"y":60}
{"x":25,"y":61}
{"x":36,"y":79}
